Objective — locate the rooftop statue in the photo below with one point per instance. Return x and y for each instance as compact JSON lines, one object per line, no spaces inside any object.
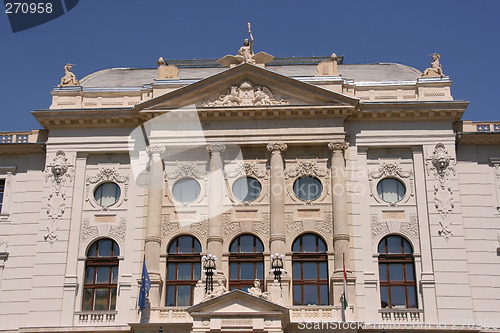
{"x":69,"y":79}
{"x":436,"y":70}
{"x":246,"y":54}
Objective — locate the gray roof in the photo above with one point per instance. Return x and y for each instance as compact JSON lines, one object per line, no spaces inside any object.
{"x":131,"y":77}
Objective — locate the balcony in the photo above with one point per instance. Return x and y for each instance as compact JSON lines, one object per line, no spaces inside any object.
{"x":315,"y":313}
{"x":404,"y":315}
{"x":95,"y":317}
{"x":23,"y":142}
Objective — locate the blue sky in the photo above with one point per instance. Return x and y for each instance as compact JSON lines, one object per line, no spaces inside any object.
{"x":99,"y":34}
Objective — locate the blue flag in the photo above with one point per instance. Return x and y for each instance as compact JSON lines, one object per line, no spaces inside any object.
{"x":145,"y":286}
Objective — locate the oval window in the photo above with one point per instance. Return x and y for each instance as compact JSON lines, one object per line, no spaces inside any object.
{"x":186,"y":190}
{"x":307,"y":188}
{"x":107,"y":194}
{"x":391,"y":190}
{"x":247,"y":189}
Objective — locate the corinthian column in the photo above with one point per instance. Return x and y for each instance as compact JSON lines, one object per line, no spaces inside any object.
{"x":277,"y":198}
{"x":153,"y":222}
{"x":215,"y":198}
{"x":339,"y":203}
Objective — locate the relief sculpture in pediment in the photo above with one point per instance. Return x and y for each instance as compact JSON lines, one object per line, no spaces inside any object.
{"x":246,"y":94}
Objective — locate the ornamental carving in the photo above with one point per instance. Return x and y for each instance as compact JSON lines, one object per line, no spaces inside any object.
{"x":56,"y":173}
{"x":263,"y":227}
{"x":245,"y":169}
{"x":390,"y":169}
{"x":325,"y":226}
{"x":306,"y":168}
{"x":277,"y":147}
{"x":411,"y":228}
{"x":186,"y":170}
{"x":168,"y":227}
{"x":246,"y":95}
{"x":200,"y":228}
{"x":292,"y":227}
{"x":378,"y":228}
{"x":87,"y":231}
{"x":107,"y":174}
{"x":152,"y":150}
{"x":230,"y":227}
{"x":338,"y":146}
{"x":216,"y":149}
{"x":441,"y":165}
{"x":118,"y":232}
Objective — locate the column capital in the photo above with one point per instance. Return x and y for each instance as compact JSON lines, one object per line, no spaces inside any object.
{"x":216,"y":148}
{"x":154,"y":239}
{"x":277,"y":147}
{"x":152,"y":150}
{"x":338,"y":146}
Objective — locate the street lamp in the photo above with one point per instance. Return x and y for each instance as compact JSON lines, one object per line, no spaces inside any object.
{"x":277,"y":267}
{"x":209,"y":268}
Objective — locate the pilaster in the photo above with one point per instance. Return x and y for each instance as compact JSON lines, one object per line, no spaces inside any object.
{"x":215,"y":197}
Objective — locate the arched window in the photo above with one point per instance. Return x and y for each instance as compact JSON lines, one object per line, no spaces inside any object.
{"x":101,"y":276}
{"x":397,"y":273}
{"x":246,"y":262}
{"x":183,"y":270}
{"x":310,"y":270}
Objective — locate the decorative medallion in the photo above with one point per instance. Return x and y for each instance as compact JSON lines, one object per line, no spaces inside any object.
{"x":107,"y":174}
{"x":246,"y":95}
{"x":186,"y":170}
{"x":245,"y":169}
{"x":390,"y":169}
{"x":306,"y":168}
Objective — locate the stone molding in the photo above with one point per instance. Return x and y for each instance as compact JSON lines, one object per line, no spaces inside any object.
{"x":277,"y":147}
{"x":336,"y":146}
{"x":219,"y":239}
{"x":277,"y":237}
{"x":216,"y":149}
{"x":152,"y":150}
{"x":341,"y":237}
{"x":152,"y":239}
{"x":441,"y":165}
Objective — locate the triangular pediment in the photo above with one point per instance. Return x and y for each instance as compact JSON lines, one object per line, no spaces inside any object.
{"x":247,"y":86}
{"x":236,"y":302}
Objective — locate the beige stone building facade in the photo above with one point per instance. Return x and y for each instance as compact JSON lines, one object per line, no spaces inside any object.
{"x":329,"y":165}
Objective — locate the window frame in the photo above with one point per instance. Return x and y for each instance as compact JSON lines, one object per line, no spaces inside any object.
{"x":237,"y":258}
{"x":240,"y":179}
{"x":176,"y":182}
{"x":301,"y":258}
{"x":318,"y":197}
{"x":118,"y":198}
{"x":403,"y":258}
{"x":193,"y":258}
{"x":95,"y":262}
{"x":403,"y":197}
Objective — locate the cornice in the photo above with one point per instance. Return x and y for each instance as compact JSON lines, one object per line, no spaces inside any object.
{"x":22,"y":148}
{"x":488,"y":138}
{"x":105,"y":117}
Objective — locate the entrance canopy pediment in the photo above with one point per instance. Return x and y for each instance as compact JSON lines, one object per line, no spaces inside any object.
{"x":247,"y":86}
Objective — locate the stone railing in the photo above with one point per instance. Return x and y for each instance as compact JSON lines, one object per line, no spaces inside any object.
{"x":95,"y":317}
{"x":479,"y":127}
{"x":171,"y":315}
{"x":315,"y":313}
{"x":23,"y":137}
{"x":401,"y":314}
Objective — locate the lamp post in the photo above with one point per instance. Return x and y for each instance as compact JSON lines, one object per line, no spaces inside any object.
{"x":277,"y":266}
{"x":209,"y":268}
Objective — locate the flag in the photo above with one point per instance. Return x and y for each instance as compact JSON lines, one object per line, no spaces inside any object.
{"x":344,"y":296}
{"x":145,"y":286}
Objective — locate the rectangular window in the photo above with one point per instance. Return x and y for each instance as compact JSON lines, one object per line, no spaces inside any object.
{"x":2,"y":191}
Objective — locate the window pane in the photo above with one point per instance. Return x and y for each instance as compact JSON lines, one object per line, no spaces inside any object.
{"x":323,"y":292}
{"x":407,"y":246}
{"x":197,"y":271}
{"x":296,"y":245}
{"x":93,"y":250}
{"x":247,"y":189}
{"x":233,"y":271}
{"x":197,"y":246}
{"x":186,"y":190}
{"x":391,"y":190}
{"x":171,"y":271}
{"x":101,"y":299}
{"x":260,"y":270}
{"x":394,"y":244}
{"x":245,"y":288}
{"x":247,"y":271}
{"x":381,"y":246}
{"x":185,"y":244}
{"x":323,"y":274}
{"x":114,"y":278}
{"x":88,"y":294}
{"x":384,"y":297}
{"x":107,"y":194}
{"x":296,"y":271}
{"x":234,"y":246}
{"x":309,"y":243}
{"x":259,"y":247}
{"x":105,"y":247}
{"x":172,"y":248}
{"x":382,"y":268}
{"x":310,"y":270}
{"x":183,"y":295}
{"x":246,"y":243}
{"x":410,"y":274}
{"x":310,"y":294}
{"x":307,"y":188}
{"x":396,"y":272}
{"x":398,"y":296}
{"x":297,"y":295}
{"x":89,"y":278}
{"x":170,"y":295}
{"x":184,"y":271}
{"x":102,"y":275}
{"x":412,"y":296}
{"x":112,"y":300}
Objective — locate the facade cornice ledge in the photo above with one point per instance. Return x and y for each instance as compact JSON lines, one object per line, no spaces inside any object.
{"x":117,"y":117}
{"x":22,"y":148}
{"x":275,"y":111}
{"x":476,"y":138}
{"x":417,"y":110}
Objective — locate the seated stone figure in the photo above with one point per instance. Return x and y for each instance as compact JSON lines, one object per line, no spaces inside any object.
{"x":436,"y":70}
{"x":257,"y":292}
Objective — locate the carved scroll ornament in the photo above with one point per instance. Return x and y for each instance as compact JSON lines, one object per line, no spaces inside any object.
{"x":246,"y":95}
{"x":390,"y":169}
